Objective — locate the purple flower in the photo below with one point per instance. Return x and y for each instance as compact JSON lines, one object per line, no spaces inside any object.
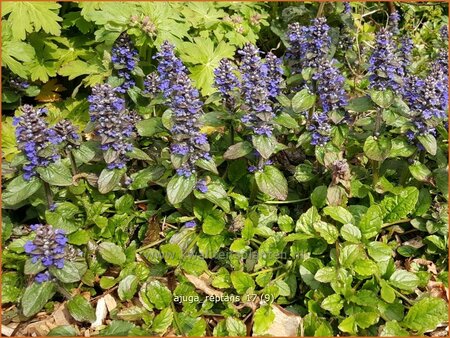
{"x":255,"y":91}
{"x":394,"y":19}
{"x":226,"y":81}
{"x":330,"y":87}
{"x":274,"y":74}
{"x":385,"y":66}
{"x":29,"y":247}
{"x":347,"y":7}
{"x":151,"y":84}
{"x":201,"y":186}
{"x":18,"y":83}
{"x":48,"y":247}
{"x":309,"y":45}
{"x":35,"y":139}
{"x":190,"y":224}
{"x":125,"y":58}
{"x":42,"y":277}
{"x":113,"y":124}
{"x":183,"y":99}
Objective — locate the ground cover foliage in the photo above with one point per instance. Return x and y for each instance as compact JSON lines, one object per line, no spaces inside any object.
{"x":224,"y":169}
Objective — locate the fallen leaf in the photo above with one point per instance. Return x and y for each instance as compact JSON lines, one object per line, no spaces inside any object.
{"x":50,"y":92}
{"x":100,"y":313}
{"x":111,"y":303}
{"x":61,"y":316}
{"x":285,"y":324}
{"x":202,"y":283}
{"x":438,"y":289}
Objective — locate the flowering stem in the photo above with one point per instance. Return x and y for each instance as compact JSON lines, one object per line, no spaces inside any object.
{"x":73,"y":164}
{"x":320,"y":11}
{"x":151,"y":245}
{"x":48,"y":193}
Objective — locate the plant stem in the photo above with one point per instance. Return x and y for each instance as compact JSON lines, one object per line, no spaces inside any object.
{"x":151,"y":245}
{"x":264,"y":271}
{"x":73,"y":164}
{"x":63,"y":291}
{"x":175,"y":318}
{"x":287,"y":202}
{"x":406,"y":220}
{"x":320,"y":11}
{"x":48,"y":194}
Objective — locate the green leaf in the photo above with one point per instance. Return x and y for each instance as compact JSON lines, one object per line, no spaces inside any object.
{"x":426,"y":314}
{"x":179,"y":188}
{"x":441,"y":177}
{"x":18,"y":190}
{"x":216,"y":194}
{"x":264,"y":145}
{"x":399,"y":206}
{"x":235,"y":327}
{"x":383,"y":98}
{"x":76,"y":68}
{"x":112,"y":253}
{"x":327,"y":231}
{"x":420,"y":172}
{"x":209,"y":245}
{"x":63,"y":330}
{"x":242,"y":281}
{"x":36,"y":296}
{"x":158,"y":294}
{"x":63,"y":217}
{"x":387,"y":292}
{"x":117,"y":328}
{"x":272,"y":182}
{"x":109,"y":179}
{"x":56,"y":174}
{"x":429,"y":143}
{"x":392,"y":328}
{"x":402,"y":148}
{"x":377,"y":149}
{"x":262,"y":320}
{"x":326,"y":274}
{"x":71,"y":272}
{"x":194,"y":265}
{"x":86,"y":152}
{"x":128,"y":287}
{"x":81,"y":310}
{"x":214,"y":223}
{"x":380,"y":252}
{"x":150,"y":127}
{"x":302,"y":101}
{"x":360,"y":104}
{"x":286,"y":120}
{"x":304,"y":173}
{"x":404,"y":280}
{"x":172,"y":254}
{"x":141,"y":178}
{"x":333,"y":304}
{"x":27,"y":17}
{"x":351,"y":233}
{"x":319,"y":196}
{"x":339,"y":214}
{"x":238,"y":150}
{"x":372,"y":221}
{"x":162,"y":321}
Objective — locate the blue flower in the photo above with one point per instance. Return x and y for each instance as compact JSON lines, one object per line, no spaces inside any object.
{"x":308,"y":45}
{"x":394,"y":19}
{"x":151,"y":84}
{"x":274,"y":74}
{"x":330,"y":87}
{"x":347,"y":7}
{"x":33,"y":135}
{"x":42,"y":277}
{"x":201,"y":186}
{"x":190,"y":224}
{"x":385,"y":65}
{"x":183,"y":100}
{"x":125,"y":58}
{"x":226,"y":81}
{"x":113,"y":124}
{"x":48,"y":247}
{"x":255,"y":90}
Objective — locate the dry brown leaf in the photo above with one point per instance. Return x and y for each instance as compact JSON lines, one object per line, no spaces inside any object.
{"x":7,"y":331}
{"x":431,"y":267}
{"x":50,"y":92}
{"x":438,"y":289}
{"x":153,"y":230}
{"x":40,"y":328}
{"x":285,"y":324}
{"x":62,"y":316}
{"x":202,"y":284}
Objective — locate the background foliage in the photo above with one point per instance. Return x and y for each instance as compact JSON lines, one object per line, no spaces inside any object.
{"x":361,"y":251}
